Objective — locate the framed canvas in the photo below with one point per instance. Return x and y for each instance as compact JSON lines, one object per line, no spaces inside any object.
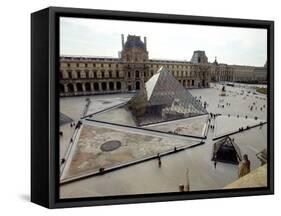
{"x":132,"y":107}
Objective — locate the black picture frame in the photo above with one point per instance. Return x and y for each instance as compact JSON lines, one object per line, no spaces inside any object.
{"x":45,"y":106}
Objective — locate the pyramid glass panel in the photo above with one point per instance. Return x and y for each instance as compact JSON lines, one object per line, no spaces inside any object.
{"x":64,"y":119}
{"x":164,"y":99}
{"x":226,"y":151}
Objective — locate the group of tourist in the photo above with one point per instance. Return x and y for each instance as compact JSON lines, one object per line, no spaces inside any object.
{"x":212,"y":127}
{"x":254,"y":105}
{"x":222,"y":105}
{"x":212,"y":116}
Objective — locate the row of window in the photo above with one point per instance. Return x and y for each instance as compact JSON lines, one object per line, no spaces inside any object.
{"x":170,"y":66}
{"x":78,"y":74}
{"x":90,"y":65}
{"x":104,"y":86}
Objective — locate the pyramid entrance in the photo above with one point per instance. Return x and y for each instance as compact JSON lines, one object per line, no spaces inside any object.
{"x":163,"y":99}
{"x":226,"y":151}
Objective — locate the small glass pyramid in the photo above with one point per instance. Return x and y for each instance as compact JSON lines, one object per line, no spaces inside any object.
{"x":163,"y":99}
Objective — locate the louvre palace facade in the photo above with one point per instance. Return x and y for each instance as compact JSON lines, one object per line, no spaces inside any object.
{"x":130,"y":71}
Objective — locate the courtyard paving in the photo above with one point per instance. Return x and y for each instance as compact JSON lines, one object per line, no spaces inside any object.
{"x":147,"y":177}
{"x":89,"y":156}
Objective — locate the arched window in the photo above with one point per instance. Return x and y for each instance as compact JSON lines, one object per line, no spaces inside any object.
{"x":137,"y":74}
{"x":111,"y":86}
{"x":102,"y":74}
{"x":86,"y":73}
{"x":88,"y":86}
{"x":90,"y":74}
{"x":95,"y":74}
{"x":96,"y":87}
{"x":118,"y":86}
{"x":137,"y":85}
{"x":79,"y":87}
{"x":70,"y":87}
{"x":103,"y":86}
{"x":78,"y":73}
{"x":69,"y":73}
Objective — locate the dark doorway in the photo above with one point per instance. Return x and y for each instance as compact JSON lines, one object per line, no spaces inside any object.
{"x":96,"y":87}
{"x":79,"y":87}
{"x":103,"y":86}
{"x":111,"y":86}
{"x":137,"y":85}
{"x":118,"y":85}
{"x":70,"y":87}
{"x":88,"y":86}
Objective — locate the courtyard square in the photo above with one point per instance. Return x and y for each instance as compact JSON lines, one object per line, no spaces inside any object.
{"x":137,"y":144}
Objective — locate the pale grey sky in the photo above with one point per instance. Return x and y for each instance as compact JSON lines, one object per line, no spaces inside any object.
{"x":95,"y":37}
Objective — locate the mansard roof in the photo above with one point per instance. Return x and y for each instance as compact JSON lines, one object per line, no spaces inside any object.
{"x":134,"y":41}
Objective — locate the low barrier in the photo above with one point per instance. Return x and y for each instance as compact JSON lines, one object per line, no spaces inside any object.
{"x":240,"y":131}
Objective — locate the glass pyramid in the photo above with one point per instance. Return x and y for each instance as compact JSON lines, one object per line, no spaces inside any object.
{"x":163,"y":99}
{"x":226,"y":151}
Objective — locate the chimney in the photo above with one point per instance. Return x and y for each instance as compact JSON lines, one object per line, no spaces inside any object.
{"x":145,"y":42}
{"x":122,"y":37}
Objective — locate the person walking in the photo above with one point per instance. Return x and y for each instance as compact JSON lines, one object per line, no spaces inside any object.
{"x":159,"y":162}
{"x":215,"y":161}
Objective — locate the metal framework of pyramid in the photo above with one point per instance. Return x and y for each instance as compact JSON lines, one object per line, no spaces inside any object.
{"x":164,"y":99}
{"x":64,"y":119}
{"x":226,"y":151}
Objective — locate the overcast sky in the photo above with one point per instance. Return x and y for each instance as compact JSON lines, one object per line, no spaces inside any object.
{"x":94,"y":37}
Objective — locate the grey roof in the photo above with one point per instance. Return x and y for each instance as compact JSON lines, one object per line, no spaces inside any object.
{"x":134,"y":42}
{"x":64,"y":119}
